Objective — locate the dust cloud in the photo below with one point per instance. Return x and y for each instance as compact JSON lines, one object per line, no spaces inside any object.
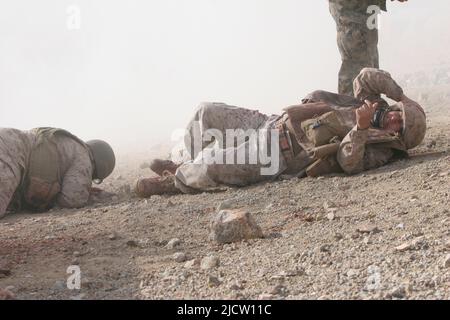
{"x":132,"y":72}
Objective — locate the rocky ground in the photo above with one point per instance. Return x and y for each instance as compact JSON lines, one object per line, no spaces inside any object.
{"x":383,"y":234}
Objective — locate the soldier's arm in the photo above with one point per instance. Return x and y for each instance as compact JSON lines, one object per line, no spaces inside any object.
{"x":355,"y":156}
{"x":371,"y":82}
{"x":76,"y":184}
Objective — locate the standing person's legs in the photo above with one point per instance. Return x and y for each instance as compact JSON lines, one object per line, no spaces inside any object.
{"x":358,"y":45}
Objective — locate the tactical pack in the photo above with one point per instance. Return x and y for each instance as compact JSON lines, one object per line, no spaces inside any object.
{"x":324,"y":129}
{"x":43,"y":179}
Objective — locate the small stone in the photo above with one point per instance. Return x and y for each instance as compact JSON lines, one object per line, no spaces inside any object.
{"x":330,"y":216}
{"x":87,"y":283}
{"x":60,"y":285}
{"x":179,"y":257}
{"x":447,"y":245}
{"x":81,"y":296}
{"x":444,"y":174}
{"x":213,"y":281}
{"x":404,"y":246}
{"x":4,"y":273}
{"x":431,"y":144}
{"x":400,"y":226}
{"x":329,"y":206}
{"x":279,"y":277}
{"x":410,"y":245}
{"x":447,"y":261}
{"x":132,"y":243}
{"x":170,"y":203}
{"x":234,"y":225}
{"x":77,"y":254}
{"x":112,"y":236}
{"x":175,"y":242}
{"x":5,"y":294}
{"x":338,"y":236}
{"x":192,"y":264}
{"x":368,"y":228}
{"x":209,"y":262}
{"x":355,"y":235}
{"x":266,"y":296}
{"x":352,"y":273}
{"x":399,"y":292}
{"x":278,"y":290}
{"x":237,"y":286}
{"x":293,"y":273}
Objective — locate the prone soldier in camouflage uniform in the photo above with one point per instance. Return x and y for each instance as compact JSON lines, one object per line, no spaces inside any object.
{"x":47,"y":166}
{"x":327,"y":133}
{"x":357,"y":39}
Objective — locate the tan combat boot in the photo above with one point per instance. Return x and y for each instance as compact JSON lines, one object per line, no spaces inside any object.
{"x":165,"y":184}
{"x":159,"y":166}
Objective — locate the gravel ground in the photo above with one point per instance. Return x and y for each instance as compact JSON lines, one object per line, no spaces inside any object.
{"x":383,"y":234}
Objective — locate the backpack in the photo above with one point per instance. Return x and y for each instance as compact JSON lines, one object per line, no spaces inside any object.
{"x":43,"y":179}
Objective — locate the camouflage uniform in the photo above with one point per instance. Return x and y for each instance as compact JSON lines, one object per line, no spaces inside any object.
{"x":200,"y":172}
{"x":75,"y":164}
{"x":357,"y":43}
{"x":355,"y":154}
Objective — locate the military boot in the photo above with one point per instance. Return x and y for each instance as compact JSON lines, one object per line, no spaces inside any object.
{"x":165,"y":184}
{"x":158,"y":166}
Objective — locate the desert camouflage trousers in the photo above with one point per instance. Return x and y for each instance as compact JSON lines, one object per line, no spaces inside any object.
{"x":203,"y":172}
{"x":358,"y":44}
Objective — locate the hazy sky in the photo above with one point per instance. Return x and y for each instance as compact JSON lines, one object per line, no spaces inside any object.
{"x":136,"y":69}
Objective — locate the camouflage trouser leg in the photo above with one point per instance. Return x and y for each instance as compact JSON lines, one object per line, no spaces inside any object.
{"x":220,"y":117}
{"x":357,"y":43}
{"x":8,"y":186}
{"x":203,"y":171}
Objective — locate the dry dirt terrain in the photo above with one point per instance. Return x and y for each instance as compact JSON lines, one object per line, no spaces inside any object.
{"x":383,"y":234}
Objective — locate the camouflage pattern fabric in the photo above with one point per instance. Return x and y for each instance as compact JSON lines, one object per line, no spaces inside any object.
{"x":358,"y":45}
{"x":359,"y":150}
{"x":201,"y":172}
{"x":75,"y":165}
{"x":15,"y":150}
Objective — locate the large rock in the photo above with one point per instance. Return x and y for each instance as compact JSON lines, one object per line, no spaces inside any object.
{"x":234,"y":225}
{"x":5,"y":294}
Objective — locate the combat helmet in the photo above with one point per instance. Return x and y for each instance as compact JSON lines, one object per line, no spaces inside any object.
{"x":104,"y":159}
{"x":414,"y":123}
